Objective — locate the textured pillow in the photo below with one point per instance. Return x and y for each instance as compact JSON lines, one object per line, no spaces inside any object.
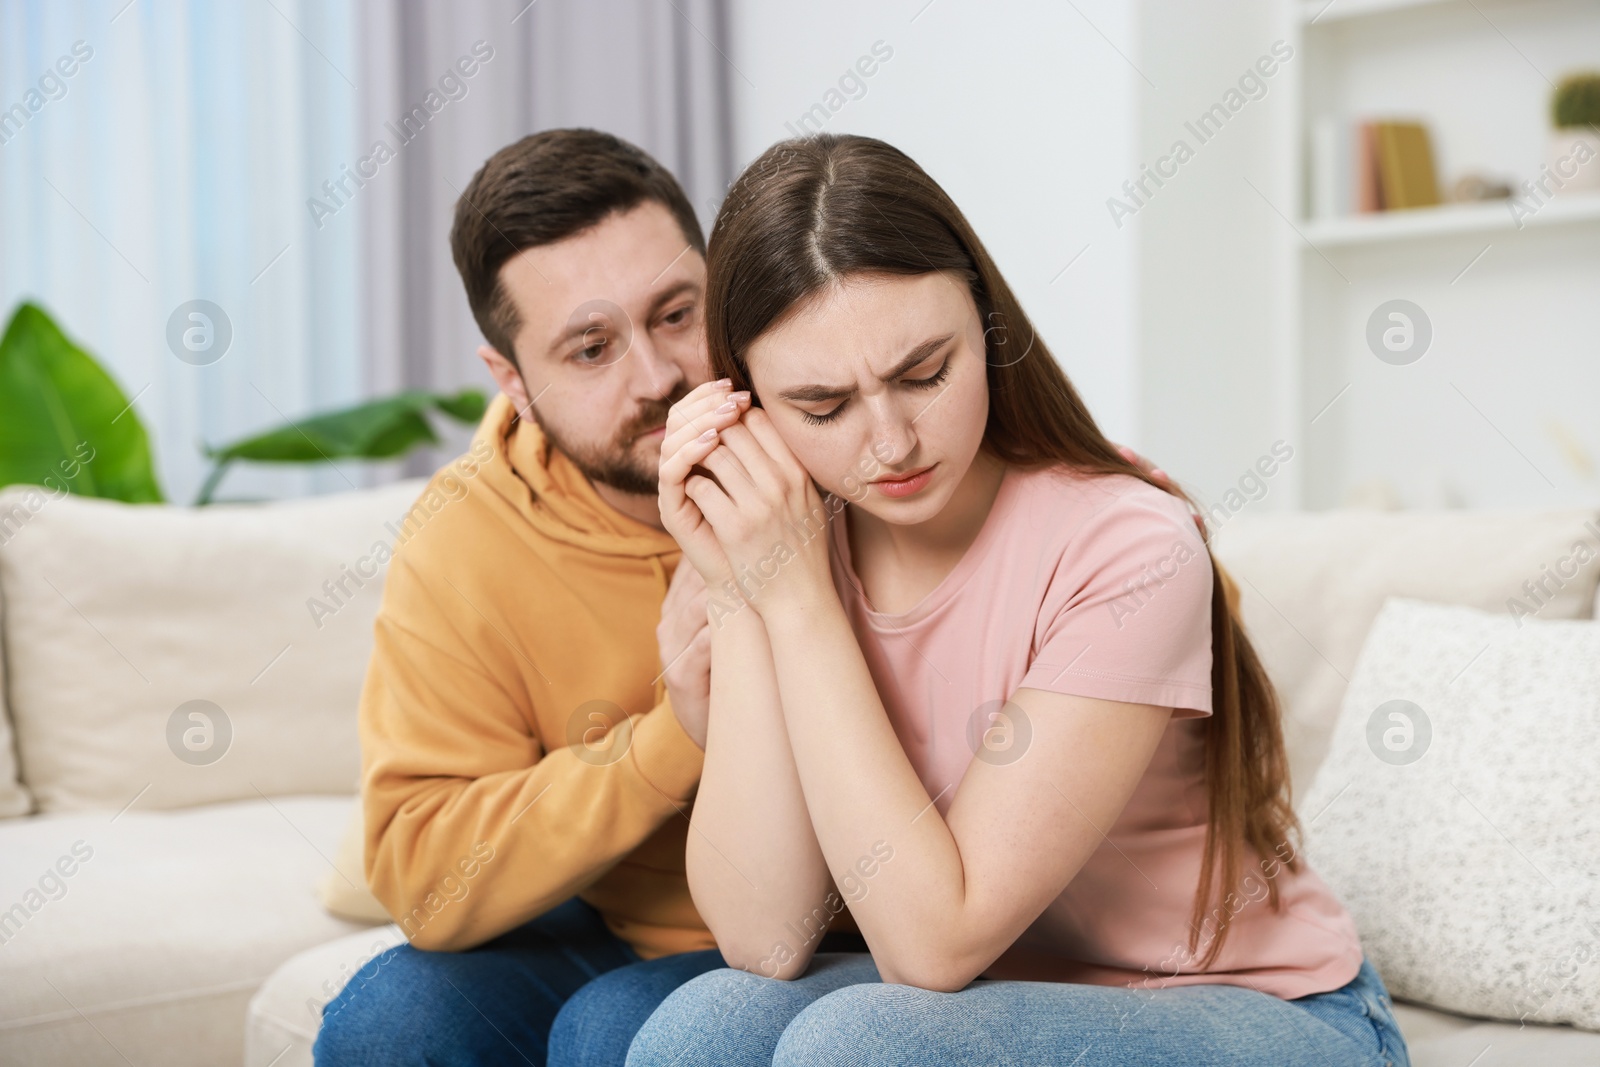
{"x":185,"y":656}
{"x":1312,"y":582}
{"x":1458,"y":811}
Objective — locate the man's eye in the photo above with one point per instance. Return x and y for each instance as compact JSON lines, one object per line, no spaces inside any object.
{"x":591,"y":353}
{"x":679,"y":317}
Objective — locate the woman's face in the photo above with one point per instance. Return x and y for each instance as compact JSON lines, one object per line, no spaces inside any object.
{"x":877,"y":378}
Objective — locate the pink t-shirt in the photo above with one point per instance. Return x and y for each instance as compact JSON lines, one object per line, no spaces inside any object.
{"x":1097,"y":586}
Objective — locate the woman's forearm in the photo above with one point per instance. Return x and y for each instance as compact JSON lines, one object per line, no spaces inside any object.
{"x":755,"y":869}
{"x":863,"y":794}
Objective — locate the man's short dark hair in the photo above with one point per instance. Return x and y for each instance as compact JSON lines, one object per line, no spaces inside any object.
{"x":546,"y":187}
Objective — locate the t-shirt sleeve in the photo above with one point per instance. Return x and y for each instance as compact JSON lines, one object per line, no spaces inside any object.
{"x":1127,"y":612}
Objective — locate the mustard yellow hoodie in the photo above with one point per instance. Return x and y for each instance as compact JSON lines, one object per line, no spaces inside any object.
{"x":518,"y":614}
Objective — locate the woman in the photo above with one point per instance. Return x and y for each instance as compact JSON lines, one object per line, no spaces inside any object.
{"x":976,"y":684}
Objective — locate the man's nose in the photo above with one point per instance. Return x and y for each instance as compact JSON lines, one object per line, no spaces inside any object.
{"x":654,"y":374}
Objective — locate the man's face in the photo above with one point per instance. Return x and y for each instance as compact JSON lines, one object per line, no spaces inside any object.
{"x":611,"y":335}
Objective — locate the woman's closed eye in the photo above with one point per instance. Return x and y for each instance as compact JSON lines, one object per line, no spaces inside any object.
{"x":930,"y":382}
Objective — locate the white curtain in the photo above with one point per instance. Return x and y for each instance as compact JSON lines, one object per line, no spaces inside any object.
{"x":211,"y":151}
{"x":173,"y":165}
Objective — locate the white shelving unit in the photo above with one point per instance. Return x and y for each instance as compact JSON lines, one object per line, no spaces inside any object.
{"x":1501,"y":409}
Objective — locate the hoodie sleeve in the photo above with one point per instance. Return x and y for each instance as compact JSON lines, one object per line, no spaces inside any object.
{"x":474,"y":825}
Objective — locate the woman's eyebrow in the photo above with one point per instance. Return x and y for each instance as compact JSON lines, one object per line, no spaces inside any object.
{"x":814,"y":393}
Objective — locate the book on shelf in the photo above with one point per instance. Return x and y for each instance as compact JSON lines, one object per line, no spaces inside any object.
{"x":1370,"y":166}
{"x":1405,"y":166}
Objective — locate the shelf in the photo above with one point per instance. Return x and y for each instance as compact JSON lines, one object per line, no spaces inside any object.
{"x":1448,"y":220}
{"x":1322,"y":12}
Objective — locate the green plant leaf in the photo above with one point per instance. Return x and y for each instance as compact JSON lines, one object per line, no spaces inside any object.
{"x":466,"y":406}
{"x":63,"y":421}
{"x":378,"y":429}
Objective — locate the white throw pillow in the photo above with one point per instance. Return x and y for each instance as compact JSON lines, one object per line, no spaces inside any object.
{"x":1458,"y":811}
{"x":176,"y":655}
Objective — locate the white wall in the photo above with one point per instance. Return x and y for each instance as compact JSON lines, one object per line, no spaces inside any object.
{"x":1024,"y":113}
{"x":1212,"y":273}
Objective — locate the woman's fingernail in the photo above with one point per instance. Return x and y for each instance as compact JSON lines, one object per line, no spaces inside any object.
{"x":740,"y":397}
{"x":709,"y":434}
{"x":724,"y":381}
{"x":731,"y":405}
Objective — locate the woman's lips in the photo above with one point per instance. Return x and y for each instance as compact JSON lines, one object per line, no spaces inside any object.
{"x":905,"y":486}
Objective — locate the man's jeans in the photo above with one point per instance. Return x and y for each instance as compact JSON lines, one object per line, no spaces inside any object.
{"x":501,"y":1003}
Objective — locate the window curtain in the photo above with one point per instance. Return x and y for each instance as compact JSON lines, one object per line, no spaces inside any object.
{"x":172,"y":165}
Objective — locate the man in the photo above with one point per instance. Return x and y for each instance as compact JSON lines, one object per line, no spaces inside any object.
{"x":527,"y":763}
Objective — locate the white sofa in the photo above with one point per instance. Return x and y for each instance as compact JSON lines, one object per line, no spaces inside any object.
{"x":160,"y":906}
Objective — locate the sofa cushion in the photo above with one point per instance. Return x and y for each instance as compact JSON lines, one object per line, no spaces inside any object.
{"x":1455,"y":813}
{"x":286,"y":1011}
{"x":1311,"y":583}
{"x":153,"y":944}
{"x":192,"y":655}
{"x":1437,"y":1038}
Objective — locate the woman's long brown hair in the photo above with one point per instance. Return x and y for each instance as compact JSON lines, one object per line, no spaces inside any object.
{"x":815,"y":209}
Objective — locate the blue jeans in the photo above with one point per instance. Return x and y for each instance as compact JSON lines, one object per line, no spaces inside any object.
{"x":839,"y":1013}
{"x":519,"y":999}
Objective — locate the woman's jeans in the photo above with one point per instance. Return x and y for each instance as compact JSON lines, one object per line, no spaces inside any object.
{"x":840,"y":1013}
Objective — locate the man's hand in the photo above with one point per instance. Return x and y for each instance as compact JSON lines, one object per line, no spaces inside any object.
{"x":684,"y":638}
{"x":1159,"y":475}
{"x":1143,"y":464}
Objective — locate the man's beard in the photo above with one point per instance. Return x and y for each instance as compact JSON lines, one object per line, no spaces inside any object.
{"x":616,"y":464}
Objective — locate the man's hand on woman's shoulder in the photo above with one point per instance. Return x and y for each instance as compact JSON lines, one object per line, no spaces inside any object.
{"x":1158,"y":474}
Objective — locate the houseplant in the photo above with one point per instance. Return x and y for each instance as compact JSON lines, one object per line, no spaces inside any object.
{"x":65,"y":424}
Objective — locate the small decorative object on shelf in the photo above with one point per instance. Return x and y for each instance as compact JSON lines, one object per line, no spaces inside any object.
{"x":1472,"y":187}
{"x":1575,"y":140}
